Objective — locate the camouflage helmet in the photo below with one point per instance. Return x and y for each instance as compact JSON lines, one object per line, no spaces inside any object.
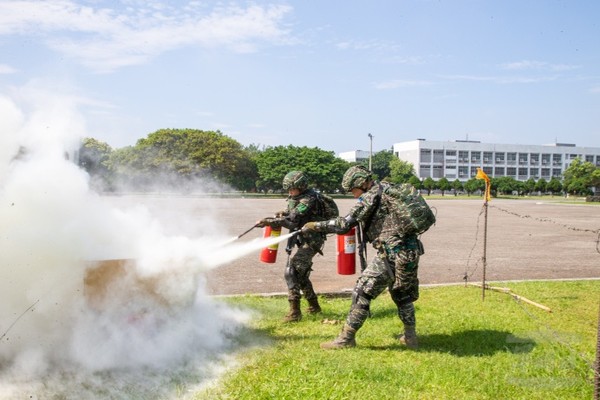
{"x":295,"y":180}
{"x":354,"y":177}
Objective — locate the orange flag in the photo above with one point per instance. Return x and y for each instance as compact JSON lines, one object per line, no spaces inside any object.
{"x":483,"y":175}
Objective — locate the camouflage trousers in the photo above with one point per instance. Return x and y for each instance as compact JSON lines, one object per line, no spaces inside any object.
{"x":396,"y":272}
{"x":297,"y":274}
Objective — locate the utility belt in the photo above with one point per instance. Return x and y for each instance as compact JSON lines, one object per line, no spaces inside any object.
{"x":391,"y":251}
{"x":405,"y":254}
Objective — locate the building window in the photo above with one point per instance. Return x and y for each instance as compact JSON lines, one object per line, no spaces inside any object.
{"x":425,"y":171}
{"x":438,"y":171}
{"x":426,"y":155}
{"x":511,"y":158}
{"x":556,"y":172}
{"x":473,"y":172}
{"x":499,"y":171}
{"x":546,"y":159}
{"x":534,"y":159}
{"x":438,"y":156}
{"x":511,"y":171}
{"x":523,"y":158}
{"x":556,"y":159}
{"x":522,"y":173}
{"x":534,"y":173}
{"x":463,"y":156}
{"x":500,"y":158}
{"x":463,"y":172}
{"x":488,"y":157}
{"x":476,"y":157}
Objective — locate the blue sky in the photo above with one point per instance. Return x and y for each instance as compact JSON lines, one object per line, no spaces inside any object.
{"x":313,"y":73}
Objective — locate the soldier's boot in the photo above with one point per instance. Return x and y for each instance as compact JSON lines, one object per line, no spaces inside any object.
{"x":313,"y":305}
{"x":294,"y":315}
{"x":409,"y":337}
{"x":344,"y":340}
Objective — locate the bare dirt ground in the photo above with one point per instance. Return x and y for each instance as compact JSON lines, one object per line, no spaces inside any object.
{"x":526,"y":239}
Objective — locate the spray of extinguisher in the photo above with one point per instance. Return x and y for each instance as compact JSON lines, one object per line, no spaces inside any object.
{"x":269,"y":253}
{"x":346,"y":253}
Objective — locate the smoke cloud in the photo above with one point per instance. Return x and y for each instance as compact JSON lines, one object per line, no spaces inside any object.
{"x":97,"y":300}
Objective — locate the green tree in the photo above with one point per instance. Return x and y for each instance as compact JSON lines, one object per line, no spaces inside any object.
{"x":473,"y":185}
{"x":323,"y":168}
{"x":429,"y":185}
{"x":93,"y":158}
{"x":380,"y":164}
{"x":529,"y":185}
{"x":554,"y":186}
{"x":578,"y":178}
{"x":416,"y":182}
{"x":400,"y":171}
{"x":443,"y":184}
{"x":541,"y":185}
{"x":457,"y":186}
{"x":504,"y":185}
{"x":186,"y":154}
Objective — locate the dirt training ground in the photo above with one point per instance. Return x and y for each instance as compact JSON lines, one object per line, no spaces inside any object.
{"x":526,"y":239}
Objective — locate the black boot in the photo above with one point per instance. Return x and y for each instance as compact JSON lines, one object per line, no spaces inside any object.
{"x":409,"y":337}
{"x":295,"y":314}
{"x":344,"y":340}
{"x":313,"y":305}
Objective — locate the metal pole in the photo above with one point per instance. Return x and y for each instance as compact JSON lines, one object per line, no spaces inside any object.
{"x":370,"y":152}
{"x":484,"y":259}
{"x":597,"y":363}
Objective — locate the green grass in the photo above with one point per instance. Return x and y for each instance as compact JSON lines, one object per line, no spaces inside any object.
{"x":469,"y":349}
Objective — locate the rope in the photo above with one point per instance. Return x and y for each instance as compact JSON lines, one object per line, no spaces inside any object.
{"x":548,"y":220}
{"x":18,"y":318}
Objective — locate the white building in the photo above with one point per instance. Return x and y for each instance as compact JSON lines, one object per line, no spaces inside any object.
{"x":459,"y":159}
{"x":354,"y":156}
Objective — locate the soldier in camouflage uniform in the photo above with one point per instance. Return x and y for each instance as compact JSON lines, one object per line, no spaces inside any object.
{"x":394,"y":266}
{"x":302,"y":207}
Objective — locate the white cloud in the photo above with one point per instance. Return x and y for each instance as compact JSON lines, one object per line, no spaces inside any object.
{"x":363,"y":45}
{"x":502,"y":79}
{"x":595,"y":89}
{"x":6,"y":69}
{"x":398,"y":83}
{"x":108,"y":38}
{"x":537,"y":65}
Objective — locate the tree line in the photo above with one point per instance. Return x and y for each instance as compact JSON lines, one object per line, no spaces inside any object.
{"x":184,"y":159}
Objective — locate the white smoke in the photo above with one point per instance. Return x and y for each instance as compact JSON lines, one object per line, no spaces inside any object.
{"x":130,"y":332}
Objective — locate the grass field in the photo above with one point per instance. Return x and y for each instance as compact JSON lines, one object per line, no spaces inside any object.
{"x":497,"y":348}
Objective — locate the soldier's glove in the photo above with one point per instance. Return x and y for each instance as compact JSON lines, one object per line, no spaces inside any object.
{"x":264,"y":222}
{"x":310,"y":227}
{"x":281,"y":214}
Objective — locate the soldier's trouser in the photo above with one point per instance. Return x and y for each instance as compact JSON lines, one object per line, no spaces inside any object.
{"x":297,"y":274}
{"x":379,"y":275}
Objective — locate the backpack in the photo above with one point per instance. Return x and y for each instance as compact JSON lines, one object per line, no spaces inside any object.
{"x":409,"y":209}
{"x":326,"y":207}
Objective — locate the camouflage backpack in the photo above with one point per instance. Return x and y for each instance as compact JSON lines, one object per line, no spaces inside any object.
{"x":409,"y":209}
{"x":326,"y":207}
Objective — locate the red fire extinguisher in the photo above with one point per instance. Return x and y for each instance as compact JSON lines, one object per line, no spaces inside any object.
{"x":269,"y":253}
{"x":346,"y":253}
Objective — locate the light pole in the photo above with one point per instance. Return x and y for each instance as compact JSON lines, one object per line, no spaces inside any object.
{"x":370,"y":152}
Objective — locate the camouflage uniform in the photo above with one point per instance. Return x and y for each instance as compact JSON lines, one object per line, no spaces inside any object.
{"x":395,"y":266}
{"x":393,"y":252}
{"x":301,"y":209}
